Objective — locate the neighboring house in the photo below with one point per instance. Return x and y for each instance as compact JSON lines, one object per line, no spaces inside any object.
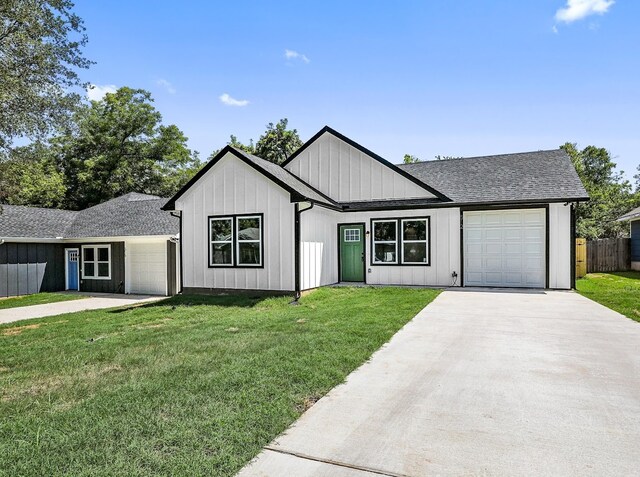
{"x":124,"y":245}
{"x":634,"y":224}
{"x":337,"y":212}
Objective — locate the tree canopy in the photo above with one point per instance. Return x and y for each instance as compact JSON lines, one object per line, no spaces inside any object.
{"x":40,"y":51}
{"x":611,"y":195}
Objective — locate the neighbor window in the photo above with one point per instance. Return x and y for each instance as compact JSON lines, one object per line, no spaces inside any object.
{"x":221,"y":241}
{"x":96,"y":262}
{"x":400,"y":241}
{"x":235,"y":241}
{"x":414,"y":241}
{"x":385,"y":241}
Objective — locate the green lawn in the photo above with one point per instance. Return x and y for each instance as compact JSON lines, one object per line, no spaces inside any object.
{"x":36,"y":299}
{"x":619,"y":291}
{"x":187,"y":386}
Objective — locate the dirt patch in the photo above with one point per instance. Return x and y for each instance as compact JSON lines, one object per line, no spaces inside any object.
{"x":307,"y":403}
{"x":16,"y":330}
{"x":4,"y":369}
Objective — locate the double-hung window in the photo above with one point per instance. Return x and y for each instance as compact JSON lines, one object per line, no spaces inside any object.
{"x":96,"y":262}
{"x":385,"y":241}
{"x":415,"y":249}
{"x":236,"y":241}
{"x":400,"y":241}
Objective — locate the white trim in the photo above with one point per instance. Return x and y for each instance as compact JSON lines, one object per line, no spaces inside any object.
{"x":425,"y":241}
{"x":95,"y":261}
{"x":374,"y":241}
{"x":238,"y":241}
{"x":66,"y":267}
{"x":230,"y":242}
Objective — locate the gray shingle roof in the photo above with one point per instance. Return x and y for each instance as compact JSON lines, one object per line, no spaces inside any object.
{"x":632,"y":214}
{"x":527,"y":176}
{"x":34,"y":222}
{"x":128,"y":215}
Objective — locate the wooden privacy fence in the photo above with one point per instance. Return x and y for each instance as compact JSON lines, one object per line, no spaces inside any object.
{"x":605,"y":255}
{"x":581,"y":257}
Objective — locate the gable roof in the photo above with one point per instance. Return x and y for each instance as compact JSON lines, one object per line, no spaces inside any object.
{"x":416,"y":180}
{"x":299,"y":190}
{"x":132,"y":214}
{"x":631,"y":215}
{"x":519,"y":177}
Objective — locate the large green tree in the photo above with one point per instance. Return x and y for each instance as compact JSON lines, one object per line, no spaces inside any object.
{"x":119,"y":145}
{"x":40,"y":52}
{"x":278,"y":142}
{"x":611,"y":195}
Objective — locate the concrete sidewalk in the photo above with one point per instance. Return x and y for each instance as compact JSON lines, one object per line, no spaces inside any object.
{"x":93,"y":301}
{"x":481,"y":383}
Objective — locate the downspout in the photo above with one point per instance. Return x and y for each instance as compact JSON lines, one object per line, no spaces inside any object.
{"x":572,"y":226}
{"x":181,"y":238}
{"x":297,"y":212}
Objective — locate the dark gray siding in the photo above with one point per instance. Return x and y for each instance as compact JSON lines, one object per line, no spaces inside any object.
{"x":635,"y":241}
{"x":171,"y":269}
{"x":116,"y":284}
{"x":27,"y":268}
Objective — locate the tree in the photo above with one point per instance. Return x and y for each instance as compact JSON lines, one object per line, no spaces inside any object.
{"x":637,"y":178}
{"x":119,"y":145}
{"x":28,"y":176}
{"x":610,"y":195}
{"x":40,"y":51}
{"x":438,"y":157}
{"x":278,"y":143}
{"x":409,"y":159}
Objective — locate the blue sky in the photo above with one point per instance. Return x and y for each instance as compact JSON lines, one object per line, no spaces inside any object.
{"x":459,"y":78}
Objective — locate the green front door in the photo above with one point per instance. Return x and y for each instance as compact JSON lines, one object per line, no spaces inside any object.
{"x":352,"y":253}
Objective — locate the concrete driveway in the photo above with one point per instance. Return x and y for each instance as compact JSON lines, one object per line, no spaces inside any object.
{"x":481,"y":383}
{"x":93,"y":301}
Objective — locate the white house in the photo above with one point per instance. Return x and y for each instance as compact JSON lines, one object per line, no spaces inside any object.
{"x":337,"y":212}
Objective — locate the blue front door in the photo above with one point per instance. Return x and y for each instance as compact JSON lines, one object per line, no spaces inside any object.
{"x":72,"y":268}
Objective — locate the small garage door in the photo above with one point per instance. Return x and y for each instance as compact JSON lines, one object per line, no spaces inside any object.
{"x":505,"y":248}
{"x":148,"y":268}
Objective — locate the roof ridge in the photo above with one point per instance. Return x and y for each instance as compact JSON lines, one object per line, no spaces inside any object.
{"x":482,"y":157}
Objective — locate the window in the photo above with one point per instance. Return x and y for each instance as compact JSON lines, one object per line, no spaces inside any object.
{"x":221,"y":241}
{"x":385,"y":241}
{"x":235,"y":241}
{"x":414,"y":241}
{"x":401,"y":241}
{"x":96,"y":262}
{"x":351,"y":235}
{"x":249,"y":232}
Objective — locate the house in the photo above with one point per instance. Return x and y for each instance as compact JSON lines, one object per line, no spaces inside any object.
{"x":634,"y":224}
{"x":124,"y":245}
{"x":337,"y":212}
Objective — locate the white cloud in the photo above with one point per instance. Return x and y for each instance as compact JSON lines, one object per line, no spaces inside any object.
{"x":579,"y":9}
{"x":229,"y":101}
{"x":294,"y":55}
{"x":166,"y":85}
{"x":96,"y":92}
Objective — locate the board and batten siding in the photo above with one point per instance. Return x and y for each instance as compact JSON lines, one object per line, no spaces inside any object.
{"x":233,"y":187}
{"x":116,"y":284}
{"x":27,"y":268}
{"x":560,"y":246}
{"x":346,"y":174}
{"x":319,"y":248}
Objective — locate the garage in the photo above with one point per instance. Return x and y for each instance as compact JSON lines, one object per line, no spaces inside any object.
{"x":505,"y":248}
{"x":147,"y":267}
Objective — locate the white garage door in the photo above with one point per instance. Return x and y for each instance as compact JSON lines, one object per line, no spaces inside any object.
{"x":504,"y":248}
{"x":148,"y":268}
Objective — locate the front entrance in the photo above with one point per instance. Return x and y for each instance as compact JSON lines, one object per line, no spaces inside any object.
{"x":351,"y":252}
{"x":71,"y":268}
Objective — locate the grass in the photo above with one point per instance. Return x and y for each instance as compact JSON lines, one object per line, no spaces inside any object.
{"x":619,"y":291}
{"x":36,"y":299}
{"x":186,"y":386}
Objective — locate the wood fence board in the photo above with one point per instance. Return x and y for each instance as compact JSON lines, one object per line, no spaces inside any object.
{"x":608,"y":255}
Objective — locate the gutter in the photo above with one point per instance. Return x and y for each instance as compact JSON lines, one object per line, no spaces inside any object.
{"x":296,"y":247}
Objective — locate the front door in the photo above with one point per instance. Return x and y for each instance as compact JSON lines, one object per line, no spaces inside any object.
{"x":351,"y":253}
{"x":72,"y":268}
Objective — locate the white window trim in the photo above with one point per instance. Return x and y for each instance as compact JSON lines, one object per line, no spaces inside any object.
{"x":230,"y":241}
{"x":96,"y":261}
{"x":374,"y":241}
{"x":349,"y":240}
{"x":238,"y":241}
{"x":425,"y":241}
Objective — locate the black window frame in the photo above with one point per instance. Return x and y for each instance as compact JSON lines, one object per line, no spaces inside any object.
{"x":399,"y":242}
{"x":234,"y":242}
